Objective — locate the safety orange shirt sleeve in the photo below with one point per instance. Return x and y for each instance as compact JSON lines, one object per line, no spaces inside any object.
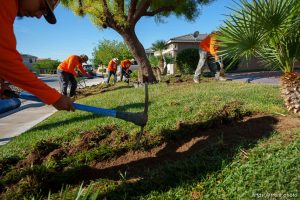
{"x":112,"y":66}
{"x":125,"y":64}
{"x":69,"y":65}
{"x":213,"y":47}
{"x":205,"y":44}
{"x":12,"y":68}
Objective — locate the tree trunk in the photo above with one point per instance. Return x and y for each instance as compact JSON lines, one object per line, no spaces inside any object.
{"x":158,"y":74}
{"x":290,"y":89}
{"x":139,"y":54}
{"x":161,"y":64}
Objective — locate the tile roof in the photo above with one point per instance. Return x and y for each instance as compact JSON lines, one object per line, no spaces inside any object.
{"x":187,"y":38}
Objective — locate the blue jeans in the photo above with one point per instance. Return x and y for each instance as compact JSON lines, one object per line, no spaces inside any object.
{"x":125,"y":73}
{"x":205,"y":59}
{"x":109,"y":75}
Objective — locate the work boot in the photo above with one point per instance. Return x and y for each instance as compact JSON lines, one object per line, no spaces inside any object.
{"x":221,"y":78}
{"x":196,"y":80}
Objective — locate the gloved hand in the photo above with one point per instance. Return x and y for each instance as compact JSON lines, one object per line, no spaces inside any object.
{"x":64,"y":103}
{"x":7,"y":93}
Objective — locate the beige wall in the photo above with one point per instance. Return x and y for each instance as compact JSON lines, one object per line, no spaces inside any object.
{"x":254,"y":64}
{"x":182,"y":46}
{"x":175,"y":48}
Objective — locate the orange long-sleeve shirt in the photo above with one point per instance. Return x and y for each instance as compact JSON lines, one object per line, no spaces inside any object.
{"x":213,"y":47}
{"x":205,"y":44}
{"x":125,"y":64}
{"x":112,"y":66}
{"x":209,"y":44}
{"x":12,"y":68}
{"x":69,"y":65}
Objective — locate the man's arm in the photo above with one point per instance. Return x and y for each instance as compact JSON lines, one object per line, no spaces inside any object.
{"x":82,"y":70}
{"x":12,"y":68}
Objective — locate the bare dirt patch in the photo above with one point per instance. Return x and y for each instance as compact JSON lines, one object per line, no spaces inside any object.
{"x":251,"y":128}
{"x":97,"y":89}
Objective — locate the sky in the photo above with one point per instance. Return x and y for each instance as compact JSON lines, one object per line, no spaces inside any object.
{"x":77,"y":35}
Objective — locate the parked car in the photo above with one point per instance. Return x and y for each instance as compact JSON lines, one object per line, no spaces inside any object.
{"x":89,"y":69}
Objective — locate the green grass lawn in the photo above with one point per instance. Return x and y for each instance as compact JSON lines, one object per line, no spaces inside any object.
{"x":218,"y":167}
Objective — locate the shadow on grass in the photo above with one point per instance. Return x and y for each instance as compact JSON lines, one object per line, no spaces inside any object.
{"x":64,"y":122}
{"x":188,"y":154}
{"x":84,"y":118}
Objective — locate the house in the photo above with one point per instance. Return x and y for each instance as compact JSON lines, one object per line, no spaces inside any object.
{"x":177,"y":44}
{"x":149,"y":52}
{"x":29,"y":60}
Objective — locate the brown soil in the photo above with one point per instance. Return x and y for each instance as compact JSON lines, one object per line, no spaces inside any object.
{"x":136,"y":163}
{"x":96,"y":89}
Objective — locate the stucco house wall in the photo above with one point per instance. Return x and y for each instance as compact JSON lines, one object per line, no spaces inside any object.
{"x":29,"y":60}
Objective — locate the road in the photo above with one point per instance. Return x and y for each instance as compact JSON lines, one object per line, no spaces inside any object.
{"x":52,"y":81}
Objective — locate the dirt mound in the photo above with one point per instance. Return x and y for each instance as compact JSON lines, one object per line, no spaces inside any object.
{"x":165,"y":148}
{"x":137,"y":163}
{"x":96,"y":89}
{"x":41,"y":150}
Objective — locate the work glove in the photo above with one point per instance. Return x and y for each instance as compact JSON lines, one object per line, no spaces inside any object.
{"x":64,"y":103}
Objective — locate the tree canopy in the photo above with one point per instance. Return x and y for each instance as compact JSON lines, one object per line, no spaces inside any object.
{"x":47,"y":64}
{"x":108,"y":49}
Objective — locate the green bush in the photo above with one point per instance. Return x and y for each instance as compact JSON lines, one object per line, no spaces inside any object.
{"x":230,"y":64}
{"x":46,"y":66}
{"x":187,"y":60}
{"x":153,"y":61}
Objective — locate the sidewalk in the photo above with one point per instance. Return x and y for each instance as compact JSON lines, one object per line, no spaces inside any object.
{"x":17,"y":121}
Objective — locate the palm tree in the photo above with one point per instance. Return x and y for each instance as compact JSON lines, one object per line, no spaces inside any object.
{"x":159,"y":46}
{"x":270,"y":31}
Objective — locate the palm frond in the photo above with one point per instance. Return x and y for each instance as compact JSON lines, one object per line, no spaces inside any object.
{"x":267,"y":29}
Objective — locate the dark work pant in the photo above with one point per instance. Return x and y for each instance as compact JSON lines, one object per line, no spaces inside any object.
{"x":64,"y":79}
{"x":125,"y":73}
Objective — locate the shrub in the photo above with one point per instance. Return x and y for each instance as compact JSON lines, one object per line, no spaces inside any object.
{"x":187,"y":60}
{"x":230,"y":64}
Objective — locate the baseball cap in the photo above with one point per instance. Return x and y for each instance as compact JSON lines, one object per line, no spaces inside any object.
{"x":49,"y":16}
{"x":84,"y":57}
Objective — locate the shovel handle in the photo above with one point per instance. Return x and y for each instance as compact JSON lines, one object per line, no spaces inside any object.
{"x":91,"y":109}
{"x":98,"y":111}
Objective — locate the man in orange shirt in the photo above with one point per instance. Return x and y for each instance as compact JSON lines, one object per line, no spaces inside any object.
{"x":125,"y":65}
{"x":112,"y":69}
{"x":66,"y":73}
{"x":12,"y":68}
{"x":208,"y":52}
